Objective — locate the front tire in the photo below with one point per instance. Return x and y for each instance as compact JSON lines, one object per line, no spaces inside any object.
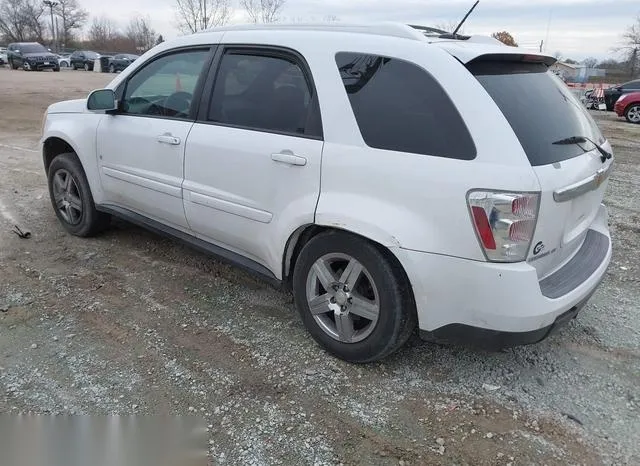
{"x":112,"y":69}
{"x":71,"y":197}
{"x":632,"y":113}
{"x":86,"y":66}
{"x":354,"y":300}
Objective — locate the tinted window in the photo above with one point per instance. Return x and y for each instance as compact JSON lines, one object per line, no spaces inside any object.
{"x":33,"y":48}
{"x":165,"y":86}
{"x":91,"y":55}
{"x":399,"y":106}
{"x":631,"y":85}
{"x":262,"y":92}
{"x":539,"y":107}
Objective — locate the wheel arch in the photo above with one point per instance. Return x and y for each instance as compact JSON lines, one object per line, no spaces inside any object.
{"x":54,"y":146}
{"x":306,"y":233}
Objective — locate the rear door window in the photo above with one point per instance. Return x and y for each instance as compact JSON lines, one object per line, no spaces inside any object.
{"x":540,"y":108}
{"x":265,"y":91}
{"x":400,"y":107}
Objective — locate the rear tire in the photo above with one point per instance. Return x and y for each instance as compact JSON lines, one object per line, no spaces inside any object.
{"x":112,"y":69}
{"x":71,"y":197}
{"x":86,"y":66}
{"x":366,"y":312}
{"x":632,"y":113}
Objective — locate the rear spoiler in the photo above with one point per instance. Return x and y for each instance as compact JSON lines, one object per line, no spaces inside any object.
{"x":515,"y":57}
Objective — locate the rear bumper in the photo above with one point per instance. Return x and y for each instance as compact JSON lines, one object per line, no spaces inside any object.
{"x":498,"y":304}
{"x":494,"y":340}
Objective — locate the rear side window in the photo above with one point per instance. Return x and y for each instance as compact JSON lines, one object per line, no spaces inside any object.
{"x":539,"y":107}
{"x":399,"y":106}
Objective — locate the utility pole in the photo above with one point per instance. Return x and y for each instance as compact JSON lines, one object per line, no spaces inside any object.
{"x":541,"y":44}
{"x":204,"y":8}
{"x":51,"y":6}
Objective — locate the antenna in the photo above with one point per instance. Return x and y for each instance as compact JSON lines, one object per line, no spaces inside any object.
{"x":455,"y":33}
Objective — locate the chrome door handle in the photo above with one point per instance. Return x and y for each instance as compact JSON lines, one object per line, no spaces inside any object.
{"x":168,"y":139}
{"x":289,"y":158}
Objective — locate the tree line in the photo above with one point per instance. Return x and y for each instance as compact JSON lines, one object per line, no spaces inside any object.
{"x":28,"y":20}
{"x":64,"y":24}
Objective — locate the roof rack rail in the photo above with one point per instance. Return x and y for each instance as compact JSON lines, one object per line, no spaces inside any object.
{"x":385,"y":28}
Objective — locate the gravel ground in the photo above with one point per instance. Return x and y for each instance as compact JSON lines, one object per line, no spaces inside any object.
{"x":132,"y":323}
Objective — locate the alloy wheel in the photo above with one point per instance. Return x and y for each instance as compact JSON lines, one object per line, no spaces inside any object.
{"x":67,"y":197}
{"x":633,"y":114}
{"x":343,"y":298}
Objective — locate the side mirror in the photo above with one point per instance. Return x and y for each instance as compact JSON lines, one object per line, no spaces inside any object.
{"x":102,"y":100}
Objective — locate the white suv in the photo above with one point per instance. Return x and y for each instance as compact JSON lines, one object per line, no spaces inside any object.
{"x":389,"y":175}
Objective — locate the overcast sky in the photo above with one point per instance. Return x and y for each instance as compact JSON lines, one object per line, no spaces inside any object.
{"x":576,"y":28}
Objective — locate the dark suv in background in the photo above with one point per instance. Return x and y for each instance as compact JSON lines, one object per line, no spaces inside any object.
{"x":612,"y":94}
{"x":83,"y":59}
{"x":31,"y":56}
{"x":121,"y":61}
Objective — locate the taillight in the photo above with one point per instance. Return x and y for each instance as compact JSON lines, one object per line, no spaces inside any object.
{"x":504,"y":222}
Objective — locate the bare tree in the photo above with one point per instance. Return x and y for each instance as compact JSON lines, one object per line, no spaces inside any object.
{"x":196,"y":15}
{"x":141,"y":35}
{"x":73,"y":18}
{"x":449,"y":26}
{"x":631,"y":47}
{"x":21,"y":20}
{"x":505,"y":37}
{"x":102,"y":33}
{"x":590,"y":62}
{"x":263,"y":11}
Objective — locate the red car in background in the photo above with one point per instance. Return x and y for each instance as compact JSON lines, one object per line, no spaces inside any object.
{"x":628,"y":106}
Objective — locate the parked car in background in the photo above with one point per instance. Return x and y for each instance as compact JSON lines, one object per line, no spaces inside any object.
{"x":83,"y":60}
{"x":628,"y":106}
{"x":121,"y":61}
{"x":612,"y":94}
{"x":291,"y":159}
{"x":3,"y":56}
{"x":64,"y":60}
{"x":31,"y":56}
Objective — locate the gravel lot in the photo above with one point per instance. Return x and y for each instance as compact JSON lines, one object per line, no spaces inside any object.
{"x":133,"y":323}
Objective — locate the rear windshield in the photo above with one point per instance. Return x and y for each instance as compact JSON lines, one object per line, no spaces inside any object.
{"x":539,"y":107}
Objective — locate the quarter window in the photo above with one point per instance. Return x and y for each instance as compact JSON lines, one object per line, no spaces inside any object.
{"x":165,"y":87}
{"x":263,"y":92}
{"x":399,"y":106}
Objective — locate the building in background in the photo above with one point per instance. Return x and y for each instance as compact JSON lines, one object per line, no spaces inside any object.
{"x":566,"y":71}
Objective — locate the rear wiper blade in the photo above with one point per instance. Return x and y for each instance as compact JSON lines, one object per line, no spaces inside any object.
{"x":604,"y":154}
